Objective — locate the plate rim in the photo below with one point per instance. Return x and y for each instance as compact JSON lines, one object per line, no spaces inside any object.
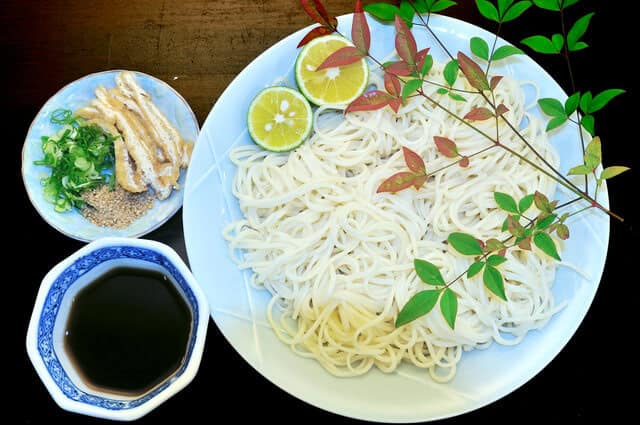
{"x":502,"y":392}
{"x":80,"y":237}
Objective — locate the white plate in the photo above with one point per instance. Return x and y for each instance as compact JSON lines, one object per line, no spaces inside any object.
{"x":74,"y":96}
{"x":408,"y":395}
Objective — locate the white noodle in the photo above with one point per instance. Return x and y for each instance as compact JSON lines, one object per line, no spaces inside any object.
{"x":338,"y":257}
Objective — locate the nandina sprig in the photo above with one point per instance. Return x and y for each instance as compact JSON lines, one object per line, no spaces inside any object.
{"x":487,"y":256}
{"x":405,"y":78}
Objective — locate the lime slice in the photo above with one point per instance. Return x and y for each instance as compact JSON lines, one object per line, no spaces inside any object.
{"x":279,"y":119}
{"x":332,"y":86}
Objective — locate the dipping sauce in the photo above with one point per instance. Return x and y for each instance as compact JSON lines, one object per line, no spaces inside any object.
{"x":127,"y":331}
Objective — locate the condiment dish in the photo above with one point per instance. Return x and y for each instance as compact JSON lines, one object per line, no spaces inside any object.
{"x":46,"y":332}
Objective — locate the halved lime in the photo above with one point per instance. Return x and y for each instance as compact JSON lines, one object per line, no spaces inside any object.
{"x":331,"y":86}
{"x":279,"y":119}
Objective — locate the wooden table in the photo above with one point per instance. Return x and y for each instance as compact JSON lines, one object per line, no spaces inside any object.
{"x":198,"y":47}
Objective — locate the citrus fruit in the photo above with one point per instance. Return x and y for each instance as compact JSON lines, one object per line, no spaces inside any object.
{"x":331,"y":86}
{"x":279,"y":119}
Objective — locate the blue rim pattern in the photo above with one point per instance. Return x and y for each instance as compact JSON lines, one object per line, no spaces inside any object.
{"x":52,"y":305}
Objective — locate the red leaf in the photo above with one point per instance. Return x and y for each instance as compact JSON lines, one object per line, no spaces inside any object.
{"x":397,"y":182}
{"x":392,"y":85}
{"x":312,"y":12}
{"x":464,"y":162}
{"x":395,"y":104}
{"x":405,"y":43}
{"x":413,"y":161}
{"x":479,"y":114}
{"x":370,"y":101}
{"x":473,"y":72}
{"x":481,"y":243}
{"x":314,"y":33}
{"x":360,"y":29}
{"x":501,"y":109}
{"x":343,"y":56}
{"x":446,"y":147}
{"x":495,"y":81}
{"x":318,"y":13}
{"x":419,"y":181}
{"x":502,"y":252}
{"x":401,"y":69}
{"x":525,"y":244}
{"x":420,"y":57}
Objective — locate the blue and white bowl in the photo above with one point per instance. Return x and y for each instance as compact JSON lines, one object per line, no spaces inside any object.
{"x":45,"y":337}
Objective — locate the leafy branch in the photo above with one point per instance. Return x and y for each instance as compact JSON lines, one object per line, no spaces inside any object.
{"x":405,"y":78}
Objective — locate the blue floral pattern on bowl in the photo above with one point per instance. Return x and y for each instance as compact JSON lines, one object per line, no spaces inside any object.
{"x":52,"y":304}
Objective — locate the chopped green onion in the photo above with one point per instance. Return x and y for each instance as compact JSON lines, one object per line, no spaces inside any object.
{"x":81,"y":158}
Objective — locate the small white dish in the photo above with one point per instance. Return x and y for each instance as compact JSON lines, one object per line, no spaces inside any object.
{"x":45,"y":345}
{"x":73,"y":96}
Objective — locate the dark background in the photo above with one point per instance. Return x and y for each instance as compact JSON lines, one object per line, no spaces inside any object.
{"x":46,"y":45}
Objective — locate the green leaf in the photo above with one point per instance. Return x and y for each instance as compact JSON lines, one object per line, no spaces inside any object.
{"x":577,"y":30}
{"x":580,"y":45}
{"x":579,"y":170}
{"x":525,"y":203}
{"x":419,"y":305}
{"x":516,"y":10}
{"x":506,"y":202}
{"x":450,"y":72}
{"x":503,"y":5}
{"x":457,"y":97}
{"x":382,"y":11}
{"x":546,"y":222}
{"x":546,"y":244}
{"x":479,"y":47}
{"x":612,"y":171}
{"x":427,"y":272}
{"x":555,"y":122}
{"x":422,"y":6}
{"x":547,"y":4}
{"x":442,"y":90}
{"x":540,"y":44}
{"x":567,"y":3}
{"x":558,"y":42}
{"x":441,"y":5}
{"x":426,"y":65}
{"x":585,"y":102}
{"x":601,"y":99}
{"x":410,"y":87}
{"x":571,"y":104}
{"x":407,"y":12}
{"x":593,"y":153}
{"x":589,"y":122}
{"x":493,"y":281}
{"x":488,"y":10}
{"x":496,"y":260}
{"x":475,"y":268}
{"x":449,"y":307}
{"x":465,"y":244}
{"x":552,"y":107}
{"x":505,"y":51}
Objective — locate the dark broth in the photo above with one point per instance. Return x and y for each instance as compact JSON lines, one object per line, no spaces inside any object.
{"x":128,"y":331}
